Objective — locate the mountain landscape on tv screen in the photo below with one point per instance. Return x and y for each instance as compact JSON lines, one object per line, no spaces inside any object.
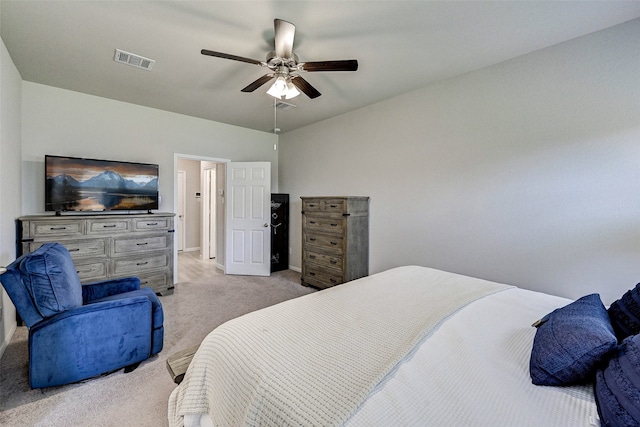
{"x":107,"y":180}
{"x":106,"y":191}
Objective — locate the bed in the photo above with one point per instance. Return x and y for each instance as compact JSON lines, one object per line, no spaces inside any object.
{"x":408,"y":346}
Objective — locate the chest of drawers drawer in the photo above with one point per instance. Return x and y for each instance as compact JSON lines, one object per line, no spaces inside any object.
{"x":154,"y":224}
{"x":324,"y":224}
{"x":102,"y":226}
{"x":125,"y":245}
{"x":334,"y":244}
{"x":79,"y":248}
{"x":46,"y":229}
{"x":324,"y":260}
{"x":336,"y":206}
{"x":136,"y":264}
{"x":91,"y":270}
{"x":319,"y":278}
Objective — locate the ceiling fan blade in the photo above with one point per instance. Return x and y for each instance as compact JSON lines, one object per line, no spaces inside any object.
{"x":285,"y":32}
{"x":345,"y":65}
{"x":305,"y":87}
{"x":255,"y":85}
{"x":228,"y":56}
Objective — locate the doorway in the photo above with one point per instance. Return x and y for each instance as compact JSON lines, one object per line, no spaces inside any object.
{"x":202,"y":228}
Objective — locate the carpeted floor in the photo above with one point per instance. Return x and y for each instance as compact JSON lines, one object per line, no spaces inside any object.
{"x":200,"y":303}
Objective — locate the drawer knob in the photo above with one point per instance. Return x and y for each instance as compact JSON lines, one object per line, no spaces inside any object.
{"x":334,"y":225}
{"x":312,"y":256}
{"x":153,"y":223}
{"x":334,"y":243}
{"x":57,"y":228}
{"x":74,"y":250}
{"x":142,"y":244}
{"x":142,"y":263}
{"x":333,"y":261}
{"x":312,"y":239}
{"x":312,"y":274}
{"x":109,"y":226}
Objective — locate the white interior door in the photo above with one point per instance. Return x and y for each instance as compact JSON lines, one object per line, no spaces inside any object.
{"x":248,"y":215}
{"x":182,"y":189}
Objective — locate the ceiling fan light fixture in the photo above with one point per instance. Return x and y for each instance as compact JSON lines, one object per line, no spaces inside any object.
{"x":291,"y":92}
{"x":279,"y":88}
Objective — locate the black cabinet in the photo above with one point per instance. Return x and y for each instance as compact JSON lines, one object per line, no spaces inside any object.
{"x":279,"y":232}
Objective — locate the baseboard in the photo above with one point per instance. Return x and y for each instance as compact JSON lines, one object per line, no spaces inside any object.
{"x":298,"y":269}
{"x":191,"y":249}
{"x":7,"y":339}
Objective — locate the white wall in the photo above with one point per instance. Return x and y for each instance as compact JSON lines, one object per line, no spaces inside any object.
{"x":527,"y":172}
{"x":193,"y":212}
{"x":58,"y":121}
{"x":10,"y":191}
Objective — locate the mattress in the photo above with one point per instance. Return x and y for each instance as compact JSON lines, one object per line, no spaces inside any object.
{"x":468,"y":367}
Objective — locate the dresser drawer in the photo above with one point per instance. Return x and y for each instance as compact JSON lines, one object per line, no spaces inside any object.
{"x":324,"y":260}
{"x":319,"y":278}
{"x":56,"y":228}
{"x":326,"y":224}
{"x":133,"y":265}
{"x":146,"y":224}
{"x":158,"y":281}
{"x":123,"y":245}
{"x":333,"y":244}
{"x":79,"y":248}
{"x":91,"y":270}
{"x":324,"y":205}
{"x":102,"y":226}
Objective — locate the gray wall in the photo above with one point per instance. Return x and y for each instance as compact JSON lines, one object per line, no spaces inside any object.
{"x":526,"y":172}
{"x":38,"y":120}
{"x":58,"y":121}
{"x":10,"y":194}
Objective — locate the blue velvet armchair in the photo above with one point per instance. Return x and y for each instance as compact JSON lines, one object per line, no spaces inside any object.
{"x":75,"y":331}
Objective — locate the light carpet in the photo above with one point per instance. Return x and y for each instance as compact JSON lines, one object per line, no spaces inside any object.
{"x":140,"y":398}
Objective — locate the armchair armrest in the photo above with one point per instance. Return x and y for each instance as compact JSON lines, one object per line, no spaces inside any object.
{"x":106,"y":288}
{"x":89,"y":341}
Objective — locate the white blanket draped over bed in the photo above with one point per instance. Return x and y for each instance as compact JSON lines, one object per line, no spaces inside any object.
{"x":315,"y":360}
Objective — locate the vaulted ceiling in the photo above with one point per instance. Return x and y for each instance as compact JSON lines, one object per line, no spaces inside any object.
{"x":400,"y":46}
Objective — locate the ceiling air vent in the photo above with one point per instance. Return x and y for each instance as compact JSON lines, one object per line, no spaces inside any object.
{"x":283,"y":106}
{"x":134,"y":60}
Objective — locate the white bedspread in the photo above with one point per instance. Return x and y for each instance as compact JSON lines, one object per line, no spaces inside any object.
{"x":314,"y":360}
{"x":474,"y":371}
{"x":471,"y":369}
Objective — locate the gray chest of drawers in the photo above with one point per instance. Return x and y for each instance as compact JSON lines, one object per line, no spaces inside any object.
{"x":335,"y":240}
{"x":109,"y":246}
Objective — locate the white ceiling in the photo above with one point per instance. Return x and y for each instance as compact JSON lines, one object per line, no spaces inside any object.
{"x":400,"y":46}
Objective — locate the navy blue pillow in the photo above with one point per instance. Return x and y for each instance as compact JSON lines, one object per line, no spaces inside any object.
{"x":571,"y":342}
{"x":625,"y":314}
{"x":618,"y":386}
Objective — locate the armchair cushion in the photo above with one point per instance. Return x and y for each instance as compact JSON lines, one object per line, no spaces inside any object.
{"x":51,"y":279}
{"x":95,"y":291}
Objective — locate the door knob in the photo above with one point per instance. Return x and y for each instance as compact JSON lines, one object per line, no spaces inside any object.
{"x":265,"y":225}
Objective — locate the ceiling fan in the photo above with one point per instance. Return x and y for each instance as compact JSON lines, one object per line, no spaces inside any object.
{"x":285,"y":67}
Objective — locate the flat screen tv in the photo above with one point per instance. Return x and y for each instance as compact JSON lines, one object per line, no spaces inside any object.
{"x":77,"y":184}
